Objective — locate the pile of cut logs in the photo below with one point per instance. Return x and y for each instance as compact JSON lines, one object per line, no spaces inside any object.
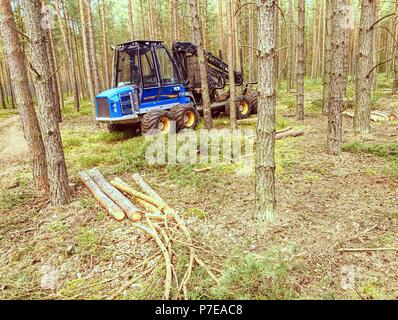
{"x":151,"y":214}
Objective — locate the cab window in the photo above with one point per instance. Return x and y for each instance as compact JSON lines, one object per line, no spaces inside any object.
{"x":167,"y":70}
{"x":149,"y":77}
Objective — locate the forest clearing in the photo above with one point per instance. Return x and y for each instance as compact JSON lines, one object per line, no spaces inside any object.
{"x":295,"y":257}
{"x":248,"y":151}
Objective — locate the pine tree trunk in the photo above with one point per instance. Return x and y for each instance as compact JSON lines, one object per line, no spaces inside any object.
{"x":220,"y":29}
{"x":328,"y":55}
{"x":291,"y":48}
{"x":92,"y":49}
{"x":337,"y":78}
{"x":2,"y":94}
{"x":57,"y":75}
{"x":395,"y":68}
{"x":197,"y":37}
{"x":87,"y":63}
{"x":24,"y":99}
{"x":265,"y":149}
{"x":105,"y":55}
{"x":300,"y":60}
{"x":152,"y":28}
{"x":131,"y":19}
{"x":62,"y":18}
{"x":364,"y":65}
{"x":230,"y":56}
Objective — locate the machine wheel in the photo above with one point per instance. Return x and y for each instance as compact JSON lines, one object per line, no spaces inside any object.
{"x":253,"y":98}
{"x":158,"y":121}
{"x":243,"y":109}
{"x":186,"y":116}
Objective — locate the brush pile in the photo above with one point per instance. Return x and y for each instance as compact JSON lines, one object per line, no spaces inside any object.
{"x":150,"y":213}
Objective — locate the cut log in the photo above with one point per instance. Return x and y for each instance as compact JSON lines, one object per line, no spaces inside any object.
{"x":101,"y":197}
{"x":149,"y":207}
{"x":121,"y":185}
{"x":115,"y":195}
{"x":286,"y":134}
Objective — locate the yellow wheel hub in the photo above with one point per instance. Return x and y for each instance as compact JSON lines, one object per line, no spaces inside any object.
{"x":164,"y":125}
{"x":243,"y":107}
{"x":189,"y":119}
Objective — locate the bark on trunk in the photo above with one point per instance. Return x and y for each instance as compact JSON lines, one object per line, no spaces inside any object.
{"x":364,"y":65}
{"x":57,"y":174}
{"x":197,"y":37}
{"x":337,"y":79}
{"x":220,"y":29}
{"x":24,"y":99}
{"x":131,"y":20}
{"x":291,"y":48}
{"x":231,"y":75}
{"x":265,"y":150}
{"x":300,"y":60}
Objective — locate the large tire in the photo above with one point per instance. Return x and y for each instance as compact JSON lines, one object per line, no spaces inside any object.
{"x":253,"y":98}
{"x":243,"y":109}
{"x":158,"y":122}
{"x":186,"y":116}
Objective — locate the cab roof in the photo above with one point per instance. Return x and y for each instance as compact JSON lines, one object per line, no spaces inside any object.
{"x":140,"y":42}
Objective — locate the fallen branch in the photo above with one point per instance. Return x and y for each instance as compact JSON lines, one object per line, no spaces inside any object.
{"x":103,"y":199}
{"x":282,"y":135}
{"x":153,"y":233}
{"x":366,"y":249}
{"x":116,"y":196}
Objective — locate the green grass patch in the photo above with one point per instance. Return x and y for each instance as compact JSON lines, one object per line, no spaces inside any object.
{"x":7,"y":113}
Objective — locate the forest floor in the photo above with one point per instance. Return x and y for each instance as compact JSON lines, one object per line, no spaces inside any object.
{"x":324,"y":203}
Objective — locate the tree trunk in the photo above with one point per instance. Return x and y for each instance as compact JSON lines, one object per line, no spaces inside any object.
{"x":57,"y":174}
{"x":62,"y":18}
{"x":131,"y":20}
{"x":93,"y":52}
{"x":395,"y":69}
{"x":337,"y":79}
{"x":152,"y":33}
{"x":265,"y":150}
{"x":90,"y":84}
{"x":300,"y":60}
{"x":2,"y":94}
{"x":197,"y":37}
{"x":231,"y":74}
{"x":105,"y":55}
{"x":327,"y":56}
{"x":364,"y":65}
{"x":24,"y":99}
{"x":220,"y":29}
{"x":291,"y":48}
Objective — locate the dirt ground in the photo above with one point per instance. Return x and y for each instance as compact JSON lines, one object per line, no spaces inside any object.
{"x":325,"y":203}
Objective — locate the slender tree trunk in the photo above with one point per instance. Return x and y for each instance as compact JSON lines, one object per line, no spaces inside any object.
{"x":265,"y":150}
{"x":395,"y":69}
{"x":338,"y":75}
{"x":327,"y":56}
{"x":364,"y":65}
{"x":24,"y":99}
{"x":2,"y":94}
{"x":62,"y":18}
{"x":105,"y":55}
{"x":92,"y":49}
{"x":220,"y":28}
{"x":58,"y":76}
{"x":300,"y":60}
{"x":152,"y":33}
{"x":197,"y":37}
{"x":291,"y":48}
{"x":131,"y":19}
{"x":238,"y":45}
{"x":231,"y":75}
{"x":90,"y":84}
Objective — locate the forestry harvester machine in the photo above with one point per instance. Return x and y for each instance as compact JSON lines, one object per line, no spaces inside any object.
{"x":157,"y":90}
